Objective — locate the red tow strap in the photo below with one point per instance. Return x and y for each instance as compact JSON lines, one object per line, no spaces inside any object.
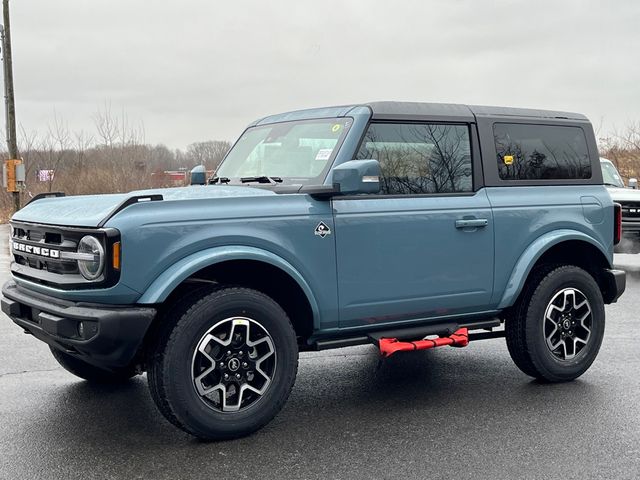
{"x":389,"y":346}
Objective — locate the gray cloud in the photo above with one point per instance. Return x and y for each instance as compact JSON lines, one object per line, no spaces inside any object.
{"x":196,"y":69}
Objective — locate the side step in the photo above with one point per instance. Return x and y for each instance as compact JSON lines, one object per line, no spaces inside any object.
{"x":389,"y":346}
{"x":412,"y":333}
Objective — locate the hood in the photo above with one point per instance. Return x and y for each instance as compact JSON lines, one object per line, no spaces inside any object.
{"x":91,"y":210}
{"x":619,"y":194}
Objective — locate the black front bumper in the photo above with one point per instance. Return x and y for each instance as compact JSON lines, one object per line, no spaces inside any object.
{"x":103,"y":335}
{"x":630,"y":227}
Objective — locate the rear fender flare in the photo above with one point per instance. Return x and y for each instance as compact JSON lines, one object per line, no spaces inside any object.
{"x":533,"y":253}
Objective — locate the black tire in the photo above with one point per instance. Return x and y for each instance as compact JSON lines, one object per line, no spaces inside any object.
{"x":89,"y":372}
{"x":172,"y":362}
{"x":525,"y":325}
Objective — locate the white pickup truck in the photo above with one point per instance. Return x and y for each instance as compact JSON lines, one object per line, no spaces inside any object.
{"x":629,"y":198}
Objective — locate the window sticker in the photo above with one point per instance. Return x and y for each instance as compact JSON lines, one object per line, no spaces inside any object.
{"x":508,"y":159}
{"x":336,"y":128}
{"x":324,"y":154}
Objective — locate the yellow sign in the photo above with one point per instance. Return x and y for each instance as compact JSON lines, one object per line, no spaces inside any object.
{"x":335,"y":128}
{"x":508,"y":159}
{"x":10,"y":174}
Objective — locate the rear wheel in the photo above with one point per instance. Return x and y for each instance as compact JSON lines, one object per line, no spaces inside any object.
{"x":555,"y":331}
{"x":90,"y":372}
{"x":225,"y":365}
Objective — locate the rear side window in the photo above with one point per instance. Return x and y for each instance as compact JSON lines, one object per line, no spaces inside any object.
{"x":541,"y":152}
{"x":420,"y":158}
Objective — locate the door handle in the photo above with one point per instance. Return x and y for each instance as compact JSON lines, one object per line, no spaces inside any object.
{"x":472,"y":223}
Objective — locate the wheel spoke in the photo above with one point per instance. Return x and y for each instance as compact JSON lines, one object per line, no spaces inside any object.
{"x":206,"y":391}
{"x":205,"y":343}
{"x":551,"y":309}
{"x":581,"y":304}
{"x":568,"y":293}
{"x":567,"y":355}
{"x":578,"y":339}
{"x":550,"y":337}
{"x":553,"y":346}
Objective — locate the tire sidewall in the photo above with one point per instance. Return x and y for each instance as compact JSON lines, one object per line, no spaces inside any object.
{"x":189,"y":408}
{"x":545,"y":361}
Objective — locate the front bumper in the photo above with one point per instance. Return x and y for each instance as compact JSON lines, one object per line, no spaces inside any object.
{"x":615,"y":282}
{"x":104,"y":335}
{"x":630,"y":227}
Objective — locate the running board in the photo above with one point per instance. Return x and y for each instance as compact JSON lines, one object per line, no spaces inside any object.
{"x":460,"y":338}
{"x":389,"y":346}
{"x":408,"y":333}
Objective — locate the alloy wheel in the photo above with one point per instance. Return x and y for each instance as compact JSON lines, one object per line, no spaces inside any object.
{"x":567,"y":323}
{"x":233,"y":364}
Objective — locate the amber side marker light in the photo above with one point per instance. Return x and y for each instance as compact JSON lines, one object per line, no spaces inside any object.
{"x":115,"y":256}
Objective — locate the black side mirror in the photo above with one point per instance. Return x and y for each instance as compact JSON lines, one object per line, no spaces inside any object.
{"x":357,"y":176}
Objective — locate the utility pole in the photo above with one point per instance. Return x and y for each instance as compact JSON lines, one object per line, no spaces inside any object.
{"x":9,"y":100}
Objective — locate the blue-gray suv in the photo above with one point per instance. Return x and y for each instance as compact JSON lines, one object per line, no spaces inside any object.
{"x":322,"y":229}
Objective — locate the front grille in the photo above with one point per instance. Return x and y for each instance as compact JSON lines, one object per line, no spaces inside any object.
{"x":38,"y":254}
{"x":630,"y":210}
{"x":40,"y":239}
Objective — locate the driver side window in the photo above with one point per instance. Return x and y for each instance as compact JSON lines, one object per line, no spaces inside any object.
{"x":420,"y":158}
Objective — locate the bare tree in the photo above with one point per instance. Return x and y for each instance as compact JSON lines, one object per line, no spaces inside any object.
{"x":27,"y":142}
{"x":623,"y":149}
{"x":53,"y":149}
{"x":209,"y":153}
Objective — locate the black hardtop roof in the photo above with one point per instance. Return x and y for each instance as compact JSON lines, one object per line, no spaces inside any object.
{"x":417,"y":110}
{"x":422,"y":111}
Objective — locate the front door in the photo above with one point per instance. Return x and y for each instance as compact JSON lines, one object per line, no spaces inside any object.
{"x":423,"y":247}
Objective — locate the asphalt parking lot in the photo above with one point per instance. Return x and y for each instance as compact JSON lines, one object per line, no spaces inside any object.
{"x":452,"y":413}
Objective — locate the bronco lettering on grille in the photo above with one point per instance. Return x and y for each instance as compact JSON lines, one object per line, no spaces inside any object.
{"x":34,"y":250}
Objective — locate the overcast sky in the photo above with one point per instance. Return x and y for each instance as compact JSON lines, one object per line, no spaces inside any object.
{"x":193,"y":70}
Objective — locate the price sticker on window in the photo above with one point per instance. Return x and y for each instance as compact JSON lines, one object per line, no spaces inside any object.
{"x":324,"y":154}
{"x":508,"y":159}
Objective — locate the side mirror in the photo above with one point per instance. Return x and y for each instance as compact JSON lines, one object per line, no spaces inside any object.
{"x":357,"y":176}
{"x":633,"y":183}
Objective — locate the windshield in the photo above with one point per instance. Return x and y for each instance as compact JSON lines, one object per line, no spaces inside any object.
{"x":610,"y":175}
{"x":298,"y":152}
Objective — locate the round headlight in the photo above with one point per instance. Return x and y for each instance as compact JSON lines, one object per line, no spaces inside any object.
{"x":91,"y":269}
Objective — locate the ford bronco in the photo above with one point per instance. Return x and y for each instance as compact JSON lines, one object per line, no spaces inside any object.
{"x":629,"y":200}
{"x":321,"y":229}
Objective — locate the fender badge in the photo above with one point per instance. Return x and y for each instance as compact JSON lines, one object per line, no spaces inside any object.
{"x":322,"y":230}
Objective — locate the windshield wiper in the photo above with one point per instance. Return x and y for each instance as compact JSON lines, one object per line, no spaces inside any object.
{"x":215,"y":180}
{"x":261,"y":179}
{"x":612,"y":185}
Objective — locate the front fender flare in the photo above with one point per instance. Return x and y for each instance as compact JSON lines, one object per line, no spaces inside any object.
{"x":531,"y":255}
{"x":173,"y":276}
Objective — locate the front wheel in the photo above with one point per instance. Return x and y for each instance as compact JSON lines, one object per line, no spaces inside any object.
{"x":555,"y":331}
{"x":224,"y":365}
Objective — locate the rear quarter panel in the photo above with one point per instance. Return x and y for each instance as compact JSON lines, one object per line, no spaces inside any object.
{"x":522,"y":215}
